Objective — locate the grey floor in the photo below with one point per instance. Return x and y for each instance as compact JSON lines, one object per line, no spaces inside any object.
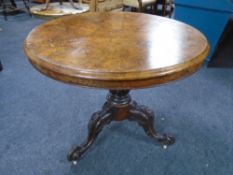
{"x":41,"y":119}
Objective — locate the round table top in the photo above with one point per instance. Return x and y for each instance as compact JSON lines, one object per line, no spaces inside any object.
{"x":116,"y":50}
{"x":57,"y":10}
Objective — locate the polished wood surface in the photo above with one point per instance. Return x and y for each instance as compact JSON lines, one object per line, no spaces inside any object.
{"x":116,"y":50}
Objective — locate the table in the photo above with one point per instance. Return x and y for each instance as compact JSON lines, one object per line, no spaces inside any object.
{"x":56,"y":9}
{"x":118,"y":51}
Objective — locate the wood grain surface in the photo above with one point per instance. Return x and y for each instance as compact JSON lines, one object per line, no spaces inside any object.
{"x":116,"y":50}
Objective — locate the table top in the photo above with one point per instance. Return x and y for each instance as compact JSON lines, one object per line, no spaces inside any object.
{"x":116,"y":50}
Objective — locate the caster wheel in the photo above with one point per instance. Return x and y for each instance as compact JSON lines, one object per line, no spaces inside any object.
{"x":164,"y":146}
{"x":74,"y":155}
{"x":74,"y":162}
{"x":166,"y":140}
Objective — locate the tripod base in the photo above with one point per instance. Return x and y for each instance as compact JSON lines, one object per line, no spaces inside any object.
{"x":119,"y":106}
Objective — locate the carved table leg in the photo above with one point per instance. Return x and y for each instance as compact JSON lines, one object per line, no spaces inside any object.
{"x":145,"y":118}
{"x":119,"y":106}
{"x":95,"y":125}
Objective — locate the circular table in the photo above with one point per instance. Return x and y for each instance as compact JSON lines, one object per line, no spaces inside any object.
{"x":56,"y":9}
{"x":119,"y":52}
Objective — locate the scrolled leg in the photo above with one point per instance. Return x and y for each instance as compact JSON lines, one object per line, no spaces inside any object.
{"x":96,"y":124}
{"x":145,"y":118}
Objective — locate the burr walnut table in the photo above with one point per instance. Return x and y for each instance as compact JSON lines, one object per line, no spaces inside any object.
{"x":119,"y":52}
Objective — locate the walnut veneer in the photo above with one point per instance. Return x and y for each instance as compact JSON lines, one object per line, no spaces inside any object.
{"x":116,"y":50}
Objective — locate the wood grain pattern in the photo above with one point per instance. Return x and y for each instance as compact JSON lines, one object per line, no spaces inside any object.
{"x":116,"y":50}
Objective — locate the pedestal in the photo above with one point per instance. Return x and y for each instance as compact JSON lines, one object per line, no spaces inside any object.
{"x":119,"y":106}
